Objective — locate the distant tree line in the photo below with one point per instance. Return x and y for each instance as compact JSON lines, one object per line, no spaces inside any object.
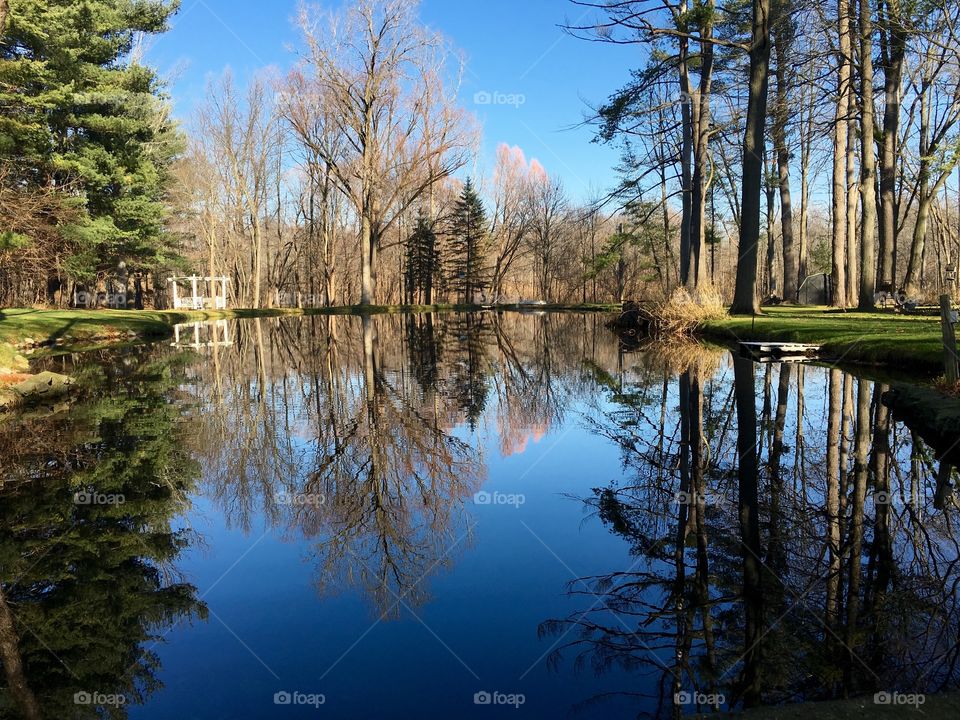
{"x":761,"y":143}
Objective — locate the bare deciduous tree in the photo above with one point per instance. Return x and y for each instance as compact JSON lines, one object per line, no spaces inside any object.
{"x":390,"y":97}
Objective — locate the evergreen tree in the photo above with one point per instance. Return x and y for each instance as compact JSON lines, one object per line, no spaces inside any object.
{"x":469,"y":266}
{"x":77,"y":111}
{"x":422,"y":261}
{"x":639,"y":248}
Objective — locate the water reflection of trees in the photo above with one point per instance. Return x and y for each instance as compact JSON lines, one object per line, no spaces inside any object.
{"x":815,"y":567}
{"x":365,"y":422}
{"x":86,"y":590}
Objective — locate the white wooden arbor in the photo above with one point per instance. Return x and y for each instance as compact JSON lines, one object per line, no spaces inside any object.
{"x":205,"y":292}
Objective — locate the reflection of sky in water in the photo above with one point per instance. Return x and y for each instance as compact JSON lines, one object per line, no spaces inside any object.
{"x":486,"y":609}
{"x":505,"y":577}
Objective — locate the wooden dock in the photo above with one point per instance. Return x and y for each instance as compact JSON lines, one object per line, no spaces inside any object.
{"x":779,"y":351}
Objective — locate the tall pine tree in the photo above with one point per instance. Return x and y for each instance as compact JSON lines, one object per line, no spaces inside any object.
{"x":422,"y":261}
{"x":469,"y":266}
{"x":78,"y":112}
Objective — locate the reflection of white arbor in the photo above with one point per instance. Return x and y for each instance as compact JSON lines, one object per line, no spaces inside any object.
{"x":213,"y":334}
{"x":205,"y":292}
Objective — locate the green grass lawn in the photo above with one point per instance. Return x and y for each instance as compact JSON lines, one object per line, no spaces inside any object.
{"x":909,"y":342}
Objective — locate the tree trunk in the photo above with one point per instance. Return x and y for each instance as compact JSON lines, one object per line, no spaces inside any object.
{"x":868,"y":165}
{"x":686,"y":151}
{"x":791,"y":254}
{"x":893,"y":44}
{"x":701,"y":128}
{"x":911,"y":282}
{"x":852,"y":192}
{"x":745,"y":292}
{"x":840,"y":138}
{"x":770,"y":191}
{"x":257,"y":259}
{"x":782,"y":44}
{"x":806,"y":148}
{"x":366,"y":250}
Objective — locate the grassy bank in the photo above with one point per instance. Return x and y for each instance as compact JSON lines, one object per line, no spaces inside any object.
{"x":83,"y":329}
{"x":908,"y":342}
{"x":935,"y":707}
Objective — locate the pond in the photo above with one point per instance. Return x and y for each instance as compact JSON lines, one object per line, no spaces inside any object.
{"x":465,"y":515}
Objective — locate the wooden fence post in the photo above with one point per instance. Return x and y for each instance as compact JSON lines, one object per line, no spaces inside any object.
{"x":947,"y":320}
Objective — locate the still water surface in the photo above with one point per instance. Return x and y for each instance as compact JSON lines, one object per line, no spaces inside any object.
{"x":464,"y":516}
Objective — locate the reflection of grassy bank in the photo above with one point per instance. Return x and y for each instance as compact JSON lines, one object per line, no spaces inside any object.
{"x":940,"y":705}
{"x":908,"y":342}
{"x":86,"y":329}
{"x":72,"y":330}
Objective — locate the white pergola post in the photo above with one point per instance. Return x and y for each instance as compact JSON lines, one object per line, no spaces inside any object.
{"x":193,"y":288}
{"x":176,"y":300}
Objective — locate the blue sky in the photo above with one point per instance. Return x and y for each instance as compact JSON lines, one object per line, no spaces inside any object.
{"x":511,"y":47}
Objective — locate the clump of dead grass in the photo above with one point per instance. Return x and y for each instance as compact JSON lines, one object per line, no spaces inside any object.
{"x":682,"y":313}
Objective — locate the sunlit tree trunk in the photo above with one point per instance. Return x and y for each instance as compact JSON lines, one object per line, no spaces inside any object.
{"x":868,"y":165}
{"x":893,"y":48}
{"x":840,"y":137}
{"x":911,"y":282}
{"x":686,"y":152}
{"x":783,"y":46}
{"x":701,"y":140}
{"x":745,"y":292}
{"x":807,"y":130}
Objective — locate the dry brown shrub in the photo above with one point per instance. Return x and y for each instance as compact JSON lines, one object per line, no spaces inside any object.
{"x":682,"y":313}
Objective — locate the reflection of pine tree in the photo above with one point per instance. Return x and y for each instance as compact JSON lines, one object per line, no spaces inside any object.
{"x":422,"y":261}
{"x":423,"y":349}
{"x":90,"y":583}
{"x":471,"y":366}
{"x":468,"y":266}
